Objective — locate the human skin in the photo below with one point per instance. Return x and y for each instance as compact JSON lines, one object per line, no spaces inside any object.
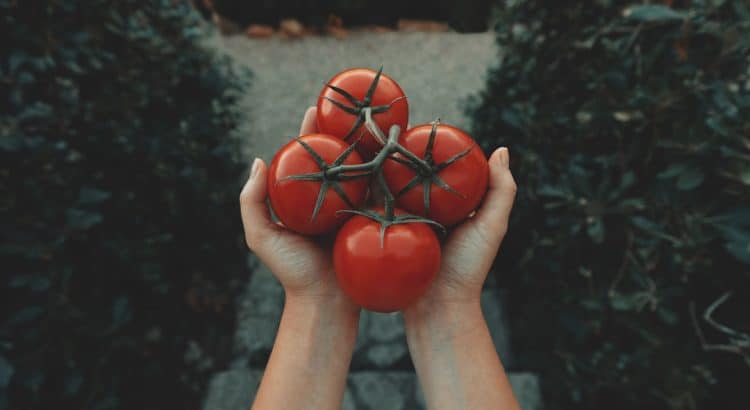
{"x":451,"y":347}
{"x":318,"y":328}
{"x":448,"y":338}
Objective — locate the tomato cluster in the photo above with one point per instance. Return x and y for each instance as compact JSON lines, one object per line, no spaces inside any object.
{"x":431,"y":176}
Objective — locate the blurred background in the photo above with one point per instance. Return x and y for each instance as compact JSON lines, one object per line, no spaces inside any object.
{"x":127,"y":128}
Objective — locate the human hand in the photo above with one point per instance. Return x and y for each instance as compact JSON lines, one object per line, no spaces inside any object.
{"x":318,"y":326}
{"x":449,"y":340}
{"x":470,"y":248}
{"x":303,"y":265}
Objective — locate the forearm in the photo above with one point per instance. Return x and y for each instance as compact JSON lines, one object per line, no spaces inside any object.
{"x":455,"y":358}
{"x":311,"y":355}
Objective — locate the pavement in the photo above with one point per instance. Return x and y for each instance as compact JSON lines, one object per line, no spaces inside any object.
{"x":439,"y":72}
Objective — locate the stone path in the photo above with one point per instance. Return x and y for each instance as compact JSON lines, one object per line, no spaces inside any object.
{"x":438,"y":72}
{"x":366,"y":390}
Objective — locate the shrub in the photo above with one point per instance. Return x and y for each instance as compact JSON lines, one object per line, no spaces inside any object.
{"x":629,"y":132}
{"x":121,"y":244}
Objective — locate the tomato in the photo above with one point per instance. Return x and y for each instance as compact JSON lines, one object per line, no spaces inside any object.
{"x":387,"y":276}
{"x":344,"y":118}
{"x":459,"y":177}
{"x":294,"y":200}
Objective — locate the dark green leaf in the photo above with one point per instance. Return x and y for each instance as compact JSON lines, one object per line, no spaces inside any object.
{"x":627,"y":180}
{"x":644,"y":223}
{"x":551,"y":190}
{"x":716,"y":124}
{"x":653,"y":13}
{"x":595,"y":230}
{"x":80,"y":219}
{"x":511,"y":116}
{"x":633,"y":204}
{"x":6,"y":372}
{"x":669,"y":317}
{"x":592,"y":304}
{"x":36,"y":283}
{"x":740,"y":250}
{"x":691,"y":178}
{"x":73,"y":384}
{"x":11,"y":141}
{"x":121,"y":311}
{"x":26,"y":314}
{"x":745,"y":176}
{"x":673,"y":171}
{"x":90,"y":195}
{"x":621,"y":302}
{"x":19,"y":281}
{"x":34,"y":380}
{"x":739,"y":216}
{"x":15,"y":60}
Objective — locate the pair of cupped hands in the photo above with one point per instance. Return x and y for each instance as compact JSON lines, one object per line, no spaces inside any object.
{"x":304,"y":266}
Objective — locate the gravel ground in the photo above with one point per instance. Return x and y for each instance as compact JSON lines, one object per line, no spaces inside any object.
{"x":438,"y":71}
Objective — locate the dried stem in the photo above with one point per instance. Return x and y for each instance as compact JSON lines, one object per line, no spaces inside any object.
{"x":739,"y":342}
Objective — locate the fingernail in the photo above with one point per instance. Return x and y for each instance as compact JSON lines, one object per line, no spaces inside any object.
{"x":254,"y":169}
{"x":504,"y":157}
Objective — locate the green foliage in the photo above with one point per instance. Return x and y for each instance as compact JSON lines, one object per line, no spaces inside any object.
{"x":629,"y":132}
{"x":120,"y":240}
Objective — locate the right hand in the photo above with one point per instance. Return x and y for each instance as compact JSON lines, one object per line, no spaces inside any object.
{"x":470,"y":249}
{"x":302,"y":265}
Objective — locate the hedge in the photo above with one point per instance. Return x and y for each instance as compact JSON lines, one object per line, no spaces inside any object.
{"x":121,"y":244}
{"x":629,"y":132}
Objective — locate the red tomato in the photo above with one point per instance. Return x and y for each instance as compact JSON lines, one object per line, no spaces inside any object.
{"x":385,"y":278}
{"x":458,"y":184}
{"x":294,"y":200}
{"x":342,"y":122}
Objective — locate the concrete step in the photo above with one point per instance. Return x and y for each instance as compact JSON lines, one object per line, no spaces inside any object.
{"x":366,"y":390}
{"x":381,"y":342}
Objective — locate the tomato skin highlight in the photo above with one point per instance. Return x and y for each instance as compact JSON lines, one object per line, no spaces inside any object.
{"x":468,"y":175}
{"x":293,"y":201}
{"x":334,"y":121}
{"x":388,"y":278}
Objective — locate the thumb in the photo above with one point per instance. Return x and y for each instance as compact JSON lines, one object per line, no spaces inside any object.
{"x":256,"y":219}
{"x":492,"y":217}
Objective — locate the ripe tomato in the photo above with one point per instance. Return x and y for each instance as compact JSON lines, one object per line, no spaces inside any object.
{"x":294,"y":200}
{"x":385,"y":277}
{"x":459,"y":179}
{"x":344,"y":117}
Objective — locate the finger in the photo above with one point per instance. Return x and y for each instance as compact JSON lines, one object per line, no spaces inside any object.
{"x":255,"y":216}
{"x":309,"y":126}
{"x":493,"y":216}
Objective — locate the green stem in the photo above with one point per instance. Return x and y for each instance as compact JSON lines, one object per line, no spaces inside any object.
{"x":373,"y":127}
{"x":375,"y":163}
{"x":423,"y":165}
{"x":390,"y":145}
{"x":389,"y":199}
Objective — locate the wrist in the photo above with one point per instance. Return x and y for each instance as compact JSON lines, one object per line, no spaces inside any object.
{"x":443,"y":319}
{"x":335,"y":305}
